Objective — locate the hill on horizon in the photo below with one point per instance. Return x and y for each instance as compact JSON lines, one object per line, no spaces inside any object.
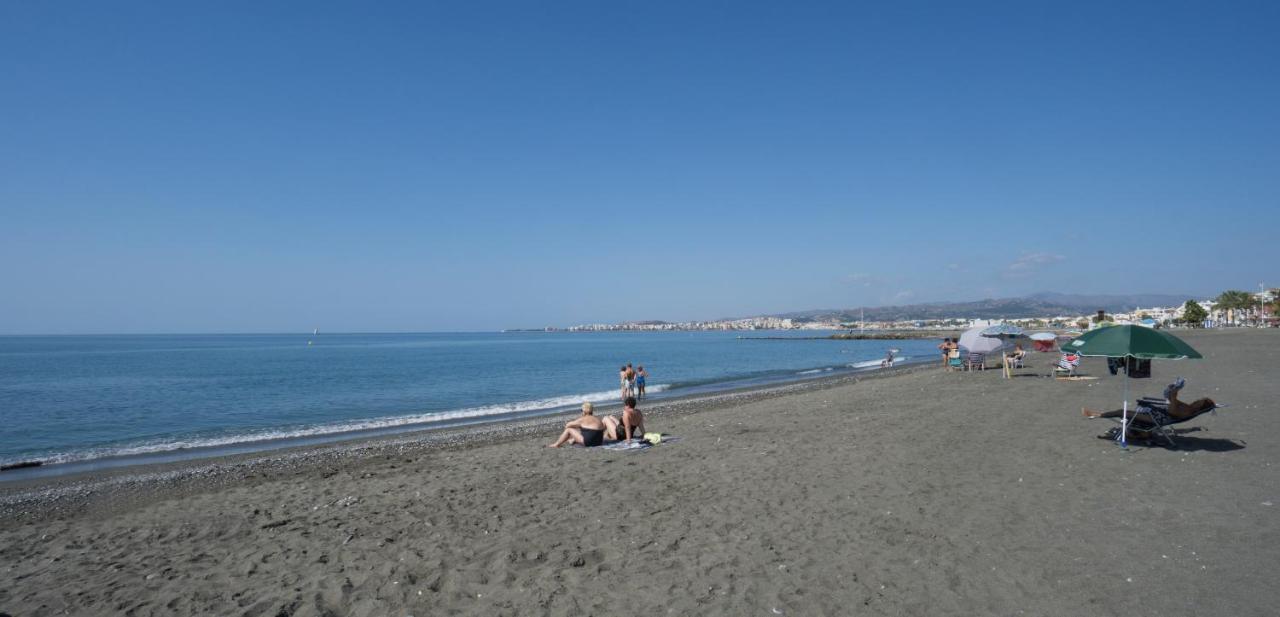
{"x":1044,"y":304}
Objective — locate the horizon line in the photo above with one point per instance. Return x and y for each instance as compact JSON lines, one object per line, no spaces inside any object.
{"x":566,"y":327}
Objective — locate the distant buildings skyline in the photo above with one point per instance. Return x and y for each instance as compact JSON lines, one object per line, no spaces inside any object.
{"x":1163,"y":315}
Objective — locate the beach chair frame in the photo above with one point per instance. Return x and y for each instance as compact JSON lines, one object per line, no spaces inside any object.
{"x":1066,"y":366}
{"x":975,"y":361}
{"x":1162,"y":430}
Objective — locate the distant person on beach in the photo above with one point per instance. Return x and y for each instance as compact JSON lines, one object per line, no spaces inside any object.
{"x":624,"y":382}
{"x":888,"y":359}
{"x":629,"y":423}
{"x":641,"y":375}
{"x":587,"y":430}
{"x":1012,"y":359}
{"x":945,"y":348}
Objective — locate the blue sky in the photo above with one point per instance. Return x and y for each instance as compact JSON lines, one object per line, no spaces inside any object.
{"x":237,"y":167}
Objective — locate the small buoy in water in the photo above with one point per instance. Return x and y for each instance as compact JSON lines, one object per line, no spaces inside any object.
{"x":308,"y":342}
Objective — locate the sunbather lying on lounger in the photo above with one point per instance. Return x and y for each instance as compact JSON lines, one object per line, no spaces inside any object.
{"x":1144,"y":416}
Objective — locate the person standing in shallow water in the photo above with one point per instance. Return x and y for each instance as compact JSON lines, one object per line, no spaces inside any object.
{"x":624,"y":384}
{"x":641,"y":376}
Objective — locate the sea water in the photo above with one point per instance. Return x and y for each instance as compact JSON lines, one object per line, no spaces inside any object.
{"x":76,"y":398}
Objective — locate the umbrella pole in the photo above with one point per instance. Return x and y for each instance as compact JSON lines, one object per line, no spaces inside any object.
{"x":1124,"y":410}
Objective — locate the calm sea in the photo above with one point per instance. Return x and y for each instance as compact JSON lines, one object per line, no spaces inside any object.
{"x":69,"y":398}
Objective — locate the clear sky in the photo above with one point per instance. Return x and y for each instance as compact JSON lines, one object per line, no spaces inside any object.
{"x":260,"y":166}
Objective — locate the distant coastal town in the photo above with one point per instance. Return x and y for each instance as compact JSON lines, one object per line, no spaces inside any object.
{"x":1230,"y":308}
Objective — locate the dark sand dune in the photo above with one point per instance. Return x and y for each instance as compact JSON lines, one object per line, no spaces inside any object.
{"x":923,"y":493}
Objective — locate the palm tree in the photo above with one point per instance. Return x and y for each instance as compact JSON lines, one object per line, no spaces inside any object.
{"x":1235,"y":301}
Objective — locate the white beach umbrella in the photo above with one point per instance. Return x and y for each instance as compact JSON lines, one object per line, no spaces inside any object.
{"x":973,"y":341}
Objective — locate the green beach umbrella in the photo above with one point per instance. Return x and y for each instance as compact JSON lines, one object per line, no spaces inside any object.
{"x":1130,"y":341}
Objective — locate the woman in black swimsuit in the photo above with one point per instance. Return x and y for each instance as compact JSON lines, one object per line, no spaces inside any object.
{"x":587,"y":430}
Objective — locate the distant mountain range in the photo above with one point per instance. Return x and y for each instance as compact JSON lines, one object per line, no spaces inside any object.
{"x":1046,"y":304}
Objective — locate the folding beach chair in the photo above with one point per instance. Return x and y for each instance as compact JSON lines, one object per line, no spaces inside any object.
{"x":1067,"y":364}
{"x":976,"y":362}
{"x":1156,"y":421}
{"x":954,"y":361}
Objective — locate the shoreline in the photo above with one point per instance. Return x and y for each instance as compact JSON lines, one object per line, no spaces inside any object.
{"x":23,"y":499}
{"x":51,"y":461}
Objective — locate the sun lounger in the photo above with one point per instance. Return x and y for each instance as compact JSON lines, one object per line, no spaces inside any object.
{"x":1154,"y":421}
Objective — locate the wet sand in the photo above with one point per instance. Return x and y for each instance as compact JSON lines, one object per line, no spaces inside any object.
{"x":920,"y":493}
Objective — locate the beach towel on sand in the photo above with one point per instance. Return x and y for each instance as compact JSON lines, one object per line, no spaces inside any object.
{"x":637,"y":444}
{"x":627,"y":445}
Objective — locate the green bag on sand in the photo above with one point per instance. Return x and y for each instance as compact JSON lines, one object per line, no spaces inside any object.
{"x":653,"y":438}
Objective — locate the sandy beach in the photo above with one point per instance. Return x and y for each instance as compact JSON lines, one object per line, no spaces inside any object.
{"x":917,"y":493}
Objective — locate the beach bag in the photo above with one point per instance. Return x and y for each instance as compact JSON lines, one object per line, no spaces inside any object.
{"x":1138,"y":368}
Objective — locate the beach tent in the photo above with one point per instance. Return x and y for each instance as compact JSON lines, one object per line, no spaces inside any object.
{"x":1129,"y":341}
{"x":1044,"y":340}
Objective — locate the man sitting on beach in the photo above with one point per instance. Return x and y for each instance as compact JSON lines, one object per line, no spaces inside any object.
{"x":1011,"y":360}
{"x":630,"y":423}
{"x":587,"y":430}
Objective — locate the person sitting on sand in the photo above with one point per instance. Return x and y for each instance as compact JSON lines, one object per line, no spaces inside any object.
{"x":1144,"y":418}
{"x":587,"y":430}
{"x":629,"y":423}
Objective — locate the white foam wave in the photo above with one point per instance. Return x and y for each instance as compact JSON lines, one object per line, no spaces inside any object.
{"x":876,"y":363}
{"x":815,"y":371}
{"x":169,"y":445}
